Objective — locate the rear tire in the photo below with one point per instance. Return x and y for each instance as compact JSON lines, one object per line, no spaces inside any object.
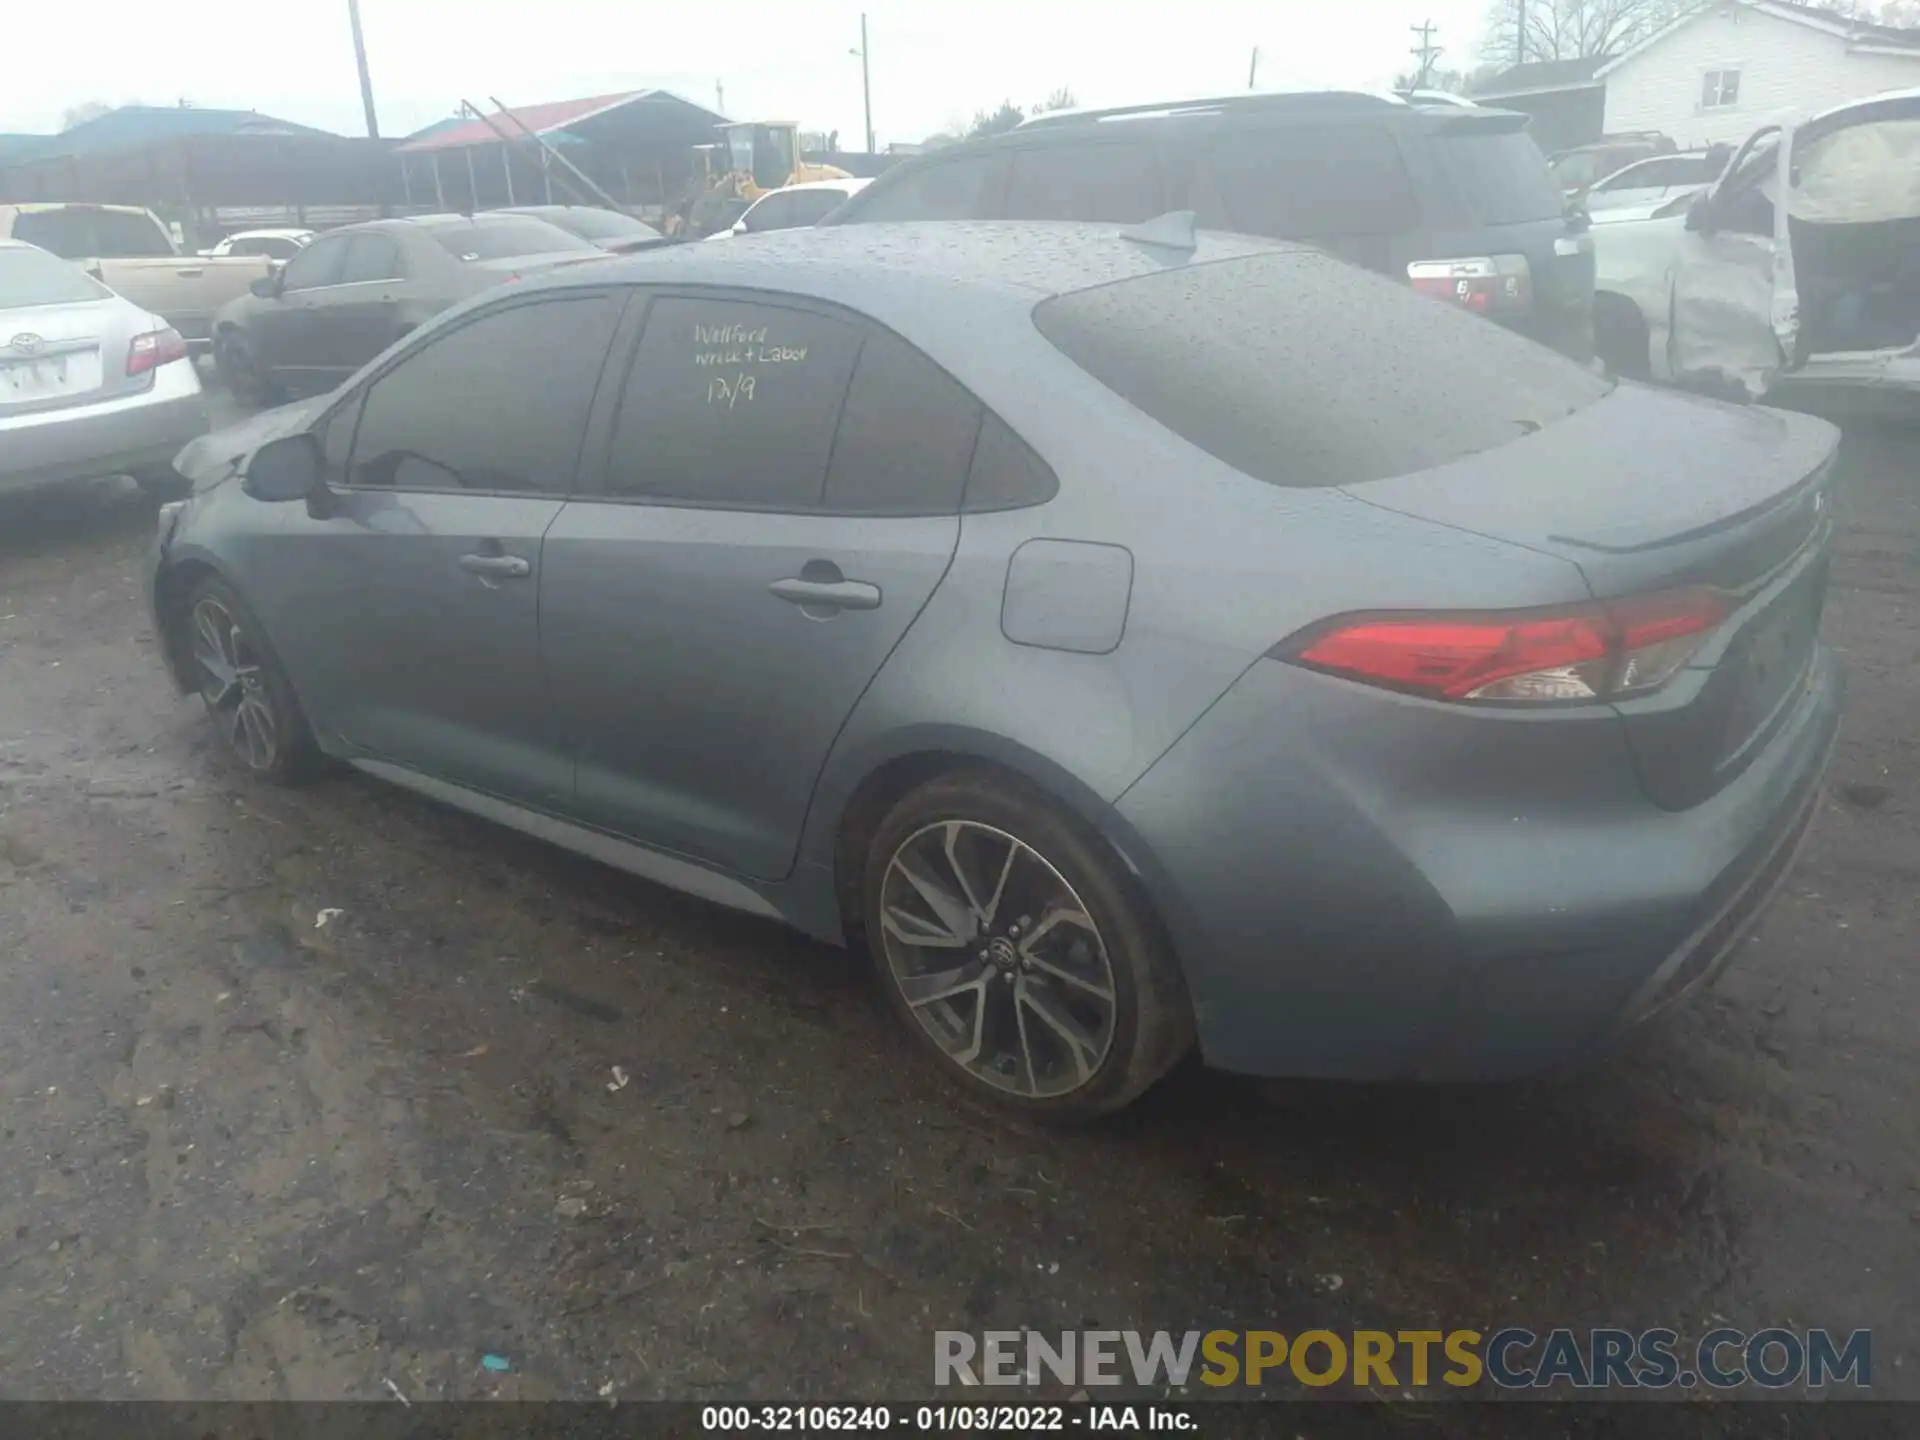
{"x":1016,"y":950}
{"x":1620,"y":337}
{"x":245,"y":690}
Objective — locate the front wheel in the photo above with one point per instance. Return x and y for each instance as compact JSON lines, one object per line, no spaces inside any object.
{"x":1015,"y":948}
{"x":246,"y":693}
{"x":240,"y":368}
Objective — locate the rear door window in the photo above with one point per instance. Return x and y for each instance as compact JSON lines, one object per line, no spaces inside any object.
{"x":1313,"y":373}
{"x":731,"y":402}
{"x":1498,"y":177}
{"x":957,"y":189}
{"x":905,"y":438}
{"x":1118,"y":182}
{"x":370,"y":257}
{"x":1308,"y":182}
{"x":317,"y":265}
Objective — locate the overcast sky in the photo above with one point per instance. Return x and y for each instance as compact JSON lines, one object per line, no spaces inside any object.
{"x":935,"y":62}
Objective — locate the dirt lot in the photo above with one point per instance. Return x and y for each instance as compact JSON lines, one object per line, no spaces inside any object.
{"x":246,"y":1156}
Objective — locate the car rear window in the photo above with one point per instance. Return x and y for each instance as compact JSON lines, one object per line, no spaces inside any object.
{"x":504,"y":239}
{"x":595,"y":224}
{"x":1500,"y":176}
{"x":33,"y":277}
{"x":1308,"y":182}
{"x":1303,"y":372}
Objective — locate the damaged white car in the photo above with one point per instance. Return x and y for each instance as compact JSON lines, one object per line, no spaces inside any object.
{"x":1735,"y":292}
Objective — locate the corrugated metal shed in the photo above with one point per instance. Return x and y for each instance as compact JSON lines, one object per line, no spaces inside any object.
{"x":134,"y":127}
{"x":632,"y":119}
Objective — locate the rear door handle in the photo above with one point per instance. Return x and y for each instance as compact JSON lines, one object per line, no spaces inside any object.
{"x":193,"y":274}
{"x":496,"y":567}
{"x":828,"y":594}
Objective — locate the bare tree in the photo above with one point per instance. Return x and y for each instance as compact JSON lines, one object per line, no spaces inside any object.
{"x":81,"y":113}
{"x":997,"y":122}
{"x":1061,"y":99}
{"x":1574,"y":29}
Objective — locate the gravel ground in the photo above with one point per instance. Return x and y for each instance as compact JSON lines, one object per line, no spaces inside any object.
{"x":245,"y":1157}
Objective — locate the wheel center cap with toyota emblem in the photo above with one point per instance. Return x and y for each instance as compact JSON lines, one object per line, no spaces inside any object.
{"x":26,"y":344}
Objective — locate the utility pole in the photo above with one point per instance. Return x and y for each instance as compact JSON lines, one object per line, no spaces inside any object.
{"x":720,"y":96}
{"x":866,"y":79}
{"x":1520,"y":32}
{"x":1253,"y":67}
{"x":360,"y":59}
{"x":1426,"y":52}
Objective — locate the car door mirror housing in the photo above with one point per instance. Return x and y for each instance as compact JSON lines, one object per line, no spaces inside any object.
{"x":288,"y":468}
{"x":1700,"y":215}
{"x":268,"y":285}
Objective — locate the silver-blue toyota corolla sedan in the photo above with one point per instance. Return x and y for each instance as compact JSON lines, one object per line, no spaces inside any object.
{"x":1136,"y":642}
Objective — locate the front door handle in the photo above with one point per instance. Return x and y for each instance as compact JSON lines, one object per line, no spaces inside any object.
{"x":827,"y":594}
{"x":496,"y":567}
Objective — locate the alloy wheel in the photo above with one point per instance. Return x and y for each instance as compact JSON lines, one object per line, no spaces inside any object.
{"x":998,"y":958}
{"x":233,"y":684}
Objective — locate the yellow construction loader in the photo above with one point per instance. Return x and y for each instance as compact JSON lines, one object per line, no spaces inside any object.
{"x":757,"y":156}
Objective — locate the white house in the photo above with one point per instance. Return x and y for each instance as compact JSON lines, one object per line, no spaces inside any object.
{"x":1721,"y":72}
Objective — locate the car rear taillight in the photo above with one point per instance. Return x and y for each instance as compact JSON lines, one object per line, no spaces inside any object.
{"x":154,"y":349}
{"x":1595,"y":652}
{"x":1484,"y":284}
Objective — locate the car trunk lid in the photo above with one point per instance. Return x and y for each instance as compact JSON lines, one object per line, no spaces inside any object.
{"x":1647,"y":492}
{"x":51,"y":356}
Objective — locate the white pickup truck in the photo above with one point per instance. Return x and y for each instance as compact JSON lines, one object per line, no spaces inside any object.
{"x":129,"y":251}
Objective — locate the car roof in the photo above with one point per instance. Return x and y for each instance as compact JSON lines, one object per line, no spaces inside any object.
{"x":284,"y":233}
{"x":33,"y":207}
{"x":846,"y":186}
{"x":404,"y":224}
{"x":902,"y":273}
{"x":557,"y":208}
{"x":1316,"y":107}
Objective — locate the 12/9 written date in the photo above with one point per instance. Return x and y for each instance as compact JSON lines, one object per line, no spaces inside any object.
{"x":941,"y":1419}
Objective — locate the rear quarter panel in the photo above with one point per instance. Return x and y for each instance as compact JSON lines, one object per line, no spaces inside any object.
{"x":1224,"y":567}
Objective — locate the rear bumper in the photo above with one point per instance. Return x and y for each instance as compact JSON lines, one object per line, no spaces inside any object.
{"x":1354,"y":895}
{"x":115,"y":437}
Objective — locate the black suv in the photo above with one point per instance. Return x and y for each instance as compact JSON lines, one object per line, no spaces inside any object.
{"x":1454,"y":199}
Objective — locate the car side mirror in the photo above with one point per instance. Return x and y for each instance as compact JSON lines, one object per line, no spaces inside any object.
{"x":288,"y":468}
{"x":1700,"y":215}
{"x":267,"y":286}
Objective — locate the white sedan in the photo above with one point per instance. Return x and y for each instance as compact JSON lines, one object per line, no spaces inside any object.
{"x":90,"y":384}
{"x":1660,"y":179}
{"x":279,"y":246}
{"x":793,"y":206}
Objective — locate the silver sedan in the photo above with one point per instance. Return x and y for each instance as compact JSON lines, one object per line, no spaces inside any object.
{"x":90,"y":384}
